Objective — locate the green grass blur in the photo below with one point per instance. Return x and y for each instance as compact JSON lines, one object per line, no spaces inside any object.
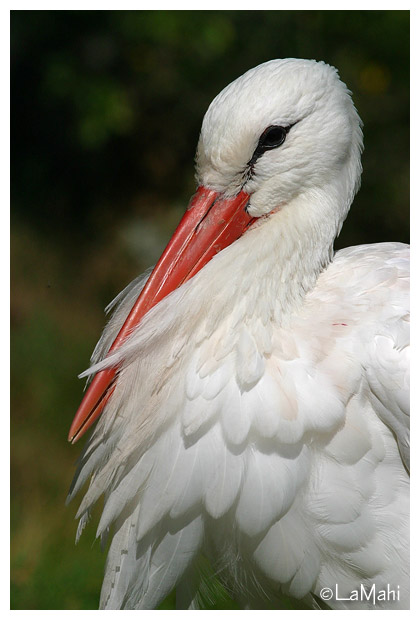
{"x":106,"y":111}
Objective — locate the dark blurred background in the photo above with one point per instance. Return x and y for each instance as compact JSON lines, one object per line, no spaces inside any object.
{"x":106,"y":111}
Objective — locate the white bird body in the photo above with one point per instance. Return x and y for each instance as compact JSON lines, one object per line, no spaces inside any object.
{"x":260,"y":415}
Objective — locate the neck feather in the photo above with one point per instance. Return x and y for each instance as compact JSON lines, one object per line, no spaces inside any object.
{"x":269,"y":271}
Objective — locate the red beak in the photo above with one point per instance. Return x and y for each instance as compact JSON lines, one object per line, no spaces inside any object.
{"x":210,"y":224}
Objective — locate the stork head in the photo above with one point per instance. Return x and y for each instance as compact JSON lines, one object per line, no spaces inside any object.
{"x":282,"y":129}
{"x":285,"y":130}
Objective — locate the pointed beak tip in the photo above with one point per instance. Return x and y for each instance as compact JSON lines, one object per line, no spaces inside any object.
{"x":73,"y":435}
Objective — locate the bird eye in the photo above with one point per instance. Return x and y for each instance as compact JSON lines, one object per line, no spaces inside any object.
{"x":272,"y":137}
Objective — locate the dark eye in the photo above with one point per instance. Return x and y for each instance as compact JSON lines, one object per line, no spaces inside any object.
{"x":271,"y":138}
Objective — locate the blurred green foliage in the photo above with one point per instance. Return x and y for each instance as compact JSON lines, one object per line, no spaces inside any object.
{"x":106,"y":111}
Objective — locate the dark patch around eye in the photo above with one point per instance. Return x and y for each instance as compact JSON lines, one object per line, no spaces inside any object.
{"x":271,"y":138}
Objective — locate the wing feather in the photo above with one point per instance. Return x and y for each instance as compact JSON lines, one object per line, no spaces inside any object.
{"x":271,"y":450}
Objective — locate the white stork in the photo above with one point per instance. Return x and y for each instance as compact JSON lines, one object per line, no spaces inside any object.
{"x":255,"y":407}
